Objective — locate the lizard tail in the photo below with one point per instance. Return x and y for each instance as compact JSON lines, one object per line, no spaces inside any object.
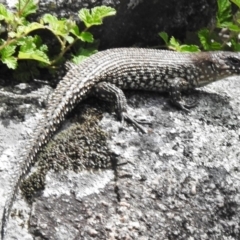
{"x":61,"y":103}
{"x":26,"y":161}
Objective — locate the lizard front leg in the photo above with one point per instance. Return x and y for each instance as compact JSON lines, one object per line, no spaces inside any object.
{"x":111,"y":93}
{"x":175,"y":88}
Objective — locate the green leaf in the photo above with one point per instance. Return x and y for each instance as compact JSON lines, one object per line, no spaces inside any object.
{"x":83,"y":36}
{"x":82,"y":54}
{"x":85,"y":15}
{"x":7,"y":58}
{"x":26,"y":7}
{"x":21,"y":21}
{"x":12,"y":34}
{"x":69,"y":39}
{"x":25,"y":30}
{"x":5,"y":14}
{"x":2,"y":41}
{"x":164,"y":36}
{"x":7,"y":51}
{"x":174,"y":44}
{"x":235,"y":45}
{"x":207,"y":41}
{"x":48,"y":18}
{"x":237,"y":2}
{"x":20,"y":31}
{"x":32,"y":27}
{"x":215,"y":46}
{"x":224,"y":14}
{"x":58,"y":27}
{"x":37,"y":55}
{"x":11,"y":62}
{"x":231,"y":26}
{"x":96,"y":15}
{"x":86,"y":37}
{"x":189,"y":48}
{"x":75,"y":31}
{"x":31,"y":48}
{"x":204,"y":38}
{"x":43,"y":47}
{"x":38,"y":42}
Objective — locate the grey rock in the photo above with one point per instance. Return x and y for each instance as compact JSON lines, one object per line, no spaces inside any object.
{"x":179,"y":181}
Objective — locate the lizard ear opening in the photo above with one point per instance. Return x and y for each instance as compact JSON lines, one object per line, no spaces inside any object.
{"x":233,"y":61}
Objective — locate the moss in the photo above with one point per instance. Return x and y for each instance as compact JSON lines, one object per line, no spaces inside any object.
{"x":83,"y":145}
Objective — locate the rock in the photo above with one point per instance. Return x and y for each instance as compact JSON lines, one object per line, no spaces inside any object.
{"x":137,"y":22}
{"x":179,"y":181}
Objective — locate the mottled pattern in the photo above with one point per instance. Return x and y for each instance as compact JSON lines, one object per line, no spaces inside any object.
{"x":129,"y":68}
{"x":81,"y":146}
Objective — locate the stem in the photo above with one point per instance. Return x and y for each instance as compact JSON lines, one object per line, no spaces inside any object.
{"x":8,"y":42}
{"x":66,"y":49}
{"x":21,"y":10}
{"x":63,"y":52}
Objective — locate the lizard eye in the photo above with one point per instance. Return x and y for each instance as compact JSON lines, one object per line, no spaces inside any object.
{"x":233,"y":61}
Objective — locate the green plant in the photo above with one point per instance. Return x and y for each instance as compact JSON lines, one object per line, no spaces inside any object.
{"x":209,"y":38}
{"x":173,"y":44}
{"x":20,"y":41}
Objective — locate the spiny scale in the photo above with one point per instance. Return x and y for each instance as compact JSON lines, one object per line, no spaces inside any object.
{"x":106,"y":73}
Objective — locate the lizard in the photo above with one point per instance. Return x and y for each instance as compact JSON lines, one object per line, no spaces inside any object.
{"x":105,"y":74}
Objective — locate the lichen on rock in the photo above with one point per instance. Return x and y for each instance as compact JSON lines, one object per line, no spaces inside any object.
{"x":82,"y":145}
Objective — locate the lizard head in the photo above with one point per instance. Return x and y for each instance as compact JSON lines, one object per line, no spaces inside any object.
{"x":227,"y":63}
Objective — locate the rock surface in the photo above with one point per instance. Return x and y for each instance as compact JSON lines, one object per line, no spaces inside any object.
{"x":181,"y":180}
{"x":138,"y":22}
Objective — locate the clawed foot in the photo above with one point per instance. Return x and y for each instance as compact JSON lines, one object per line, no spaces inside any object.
{"x":185,"y":106}
{"x":125,"y":116}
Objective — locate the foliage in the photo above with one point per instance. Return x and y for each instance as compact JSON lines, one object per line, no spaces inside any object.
{"x":210,"y":39}
{"x":173,"y":44}
{"x":20,"y":40}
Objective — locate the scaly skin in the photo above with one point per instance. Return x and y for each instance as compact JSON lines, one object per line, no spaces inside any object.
{"x":106,"y":73}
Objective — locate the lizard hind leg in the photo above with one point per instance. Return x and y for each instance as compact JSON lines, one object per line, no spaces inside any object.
{"x":111,"y":93}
